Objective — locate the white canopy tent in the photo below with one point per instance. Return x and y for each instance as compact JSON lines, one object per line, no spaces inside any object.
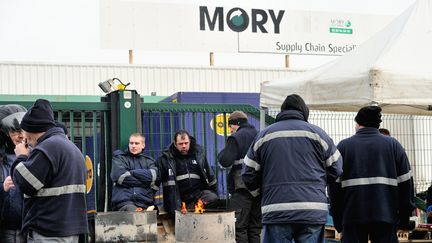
{"x":392,"y":69}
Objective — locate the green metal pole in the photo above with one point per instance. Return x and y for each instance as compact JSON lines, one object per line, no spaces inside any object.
{"x":183,"y":120}
{"x":193,"y":125}
{"x":161,"y":135}
{"x":60,"y":116}
{"x":107,"y":165}
{"x":72,"y":126}
{"x":83,"y":135}
{"x":84,"y":151}
{"x":129,"y":116}
{"x":171,"y":124}
{"x":150,"y":114}
{"x":95,"y":157}
{"x":204,"y":124}
{"x":215,"y":142}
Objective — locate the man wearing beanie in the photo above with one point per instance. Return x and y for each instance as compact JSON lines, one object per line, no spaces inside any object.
{"x":246,"y":204}
{"x":375,"y":193}
{"x":291,"y":162}
{"x":52,"y":177}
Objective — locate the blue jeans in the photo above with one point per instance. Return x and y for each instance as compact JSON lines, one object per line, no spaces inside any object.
{"x":298,"y":233}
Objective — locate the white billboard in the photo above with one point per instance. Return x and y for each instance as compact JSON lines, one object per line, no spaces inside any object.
{"x":206,"y":26}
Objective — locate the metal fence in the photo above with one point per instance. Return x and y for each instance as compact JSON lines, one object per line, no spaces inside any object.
{"x":89,"y":130}
{"x":85,"y":123}
{"x":413,"y":132}
{"x":208,"y":124}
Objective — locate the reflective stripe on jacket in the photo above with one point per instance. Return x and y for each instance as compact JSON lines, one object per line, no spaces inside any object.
{"x":290,"y":164}
{"x":135,"y":179}
{"x":52,"y":179}
{"x":376,"y":185}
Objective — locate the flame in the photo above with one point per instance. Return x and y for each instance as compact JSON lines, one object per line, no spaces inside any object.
{"x":183,"y":209}
{"x":199,"y":206}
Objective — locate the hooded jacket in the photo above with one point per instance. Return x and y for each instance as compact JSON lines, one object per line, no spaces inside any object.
{"x":290,"y":162}
{"x":134,"y":178}
{"x":166,"y":164}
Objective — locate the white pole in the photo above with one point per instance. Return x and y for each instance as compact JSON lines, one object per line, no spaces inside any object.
{"x":262,"y":117}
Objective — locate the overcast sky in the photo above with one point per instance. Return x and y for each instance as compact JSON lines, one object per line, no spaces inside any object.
{"x":60,"y":31}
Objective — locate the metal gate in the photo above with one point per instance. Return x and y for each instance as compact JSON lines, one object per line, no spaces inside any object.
{"x":89,"y":127}
{"x":207,"y":123}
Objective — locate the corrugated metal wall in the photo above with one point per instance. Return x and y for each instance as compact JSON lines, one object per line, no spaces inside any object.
{"x":68,"y":79}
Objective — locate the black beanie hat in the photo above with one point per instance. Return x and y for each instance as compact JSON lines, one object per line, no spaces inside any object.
{"x":369,"y":116}
{"x":39,"y":118}
{"x":295,"y":102}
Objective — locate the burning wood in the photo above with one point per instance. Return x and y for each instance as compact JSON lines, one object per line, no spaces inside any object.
{"x":199,"y":206}
{"x":183,"y":209}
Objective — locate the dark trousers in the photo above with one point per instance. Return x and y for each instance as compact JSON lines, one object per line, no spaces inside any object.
{"x":11,"y":236}
{"x":375,"y":232}
{"x":248,"y":216}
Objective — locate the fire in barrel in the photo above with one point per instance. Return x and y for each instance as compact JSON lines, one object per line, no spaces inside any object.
{"x":204,"y":225}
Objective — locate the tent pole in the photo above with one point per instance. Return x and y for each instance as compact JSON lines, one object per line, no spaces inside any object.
{"x":262,"y":117}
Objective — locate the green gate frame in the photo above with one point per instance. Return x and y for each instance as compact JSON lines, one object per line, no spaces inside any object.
{"x":92,"y":119}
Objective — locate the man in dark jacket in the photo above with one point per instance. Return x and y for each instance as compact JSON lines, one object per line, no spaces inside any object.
{"x":186,"y":175}
{"x":246,"y":204}
{"x":375,"y":192}
{"x":291,"y":162}
{"x":134,"y":175}
{"x":52,"y":177}
{"x":11,"y":198}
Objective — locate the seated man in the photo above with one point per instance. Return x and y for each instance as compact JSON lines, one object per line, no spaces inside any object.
{"x":134,"y":175}
{"x":186,"y":175}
